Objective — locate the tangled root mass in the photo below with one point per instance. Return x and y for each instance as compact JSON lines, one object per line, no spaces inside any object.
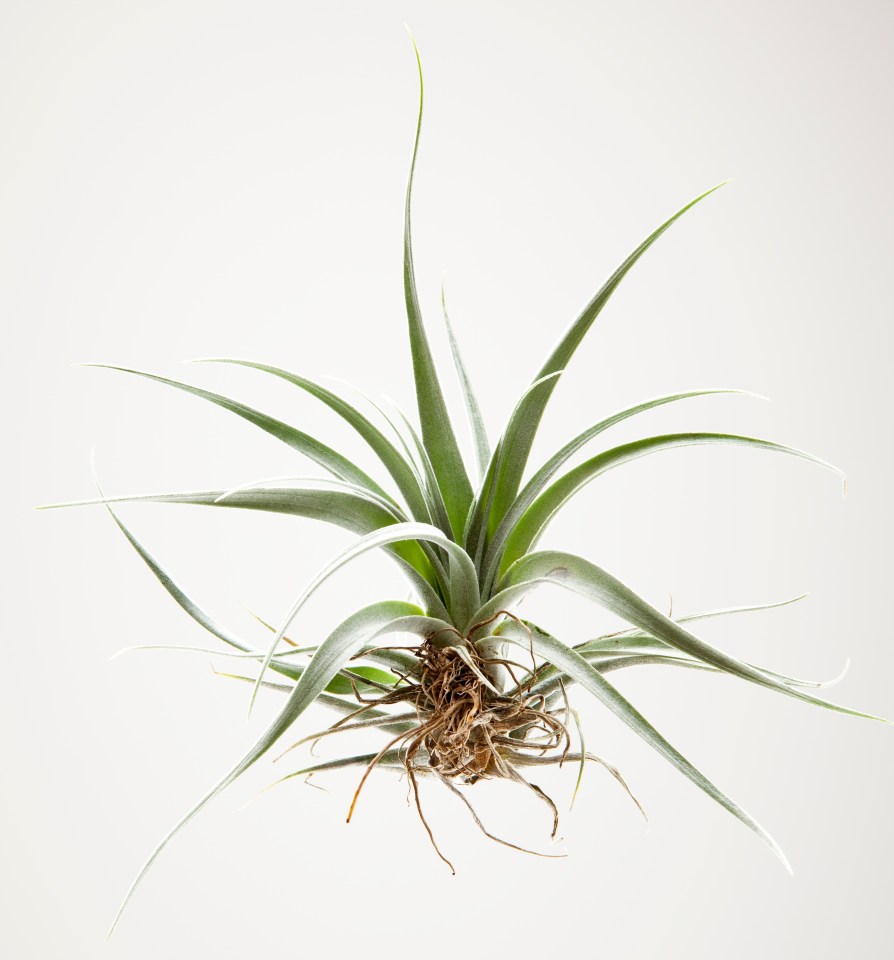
{"x":467,"y":730}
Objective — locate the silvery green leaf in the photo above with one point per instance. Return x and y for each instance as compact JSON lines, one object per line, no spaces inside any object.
{"x":437,"y":430}
{"x":524,"y":422}
{"x":368,"y":623}
{"x":533,"y":522}
{"x":574,"y":666}
{"x":598,"y":585}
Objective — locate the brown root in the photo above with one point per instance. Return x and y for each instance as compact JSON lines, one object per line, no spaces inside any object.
{"x":466,"y":729}
{"x":465,"y":723}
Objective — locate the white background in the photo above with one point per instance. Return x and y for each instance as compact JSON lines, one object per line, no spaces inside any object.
{"x":184,"y":179}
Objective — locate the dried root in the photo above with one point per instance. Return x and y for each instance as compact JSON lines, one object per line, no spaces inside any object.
{"x":464,"y":729}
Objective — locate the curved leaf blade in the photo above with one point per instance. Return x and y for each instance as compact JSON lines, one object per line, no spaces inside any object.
{"x":192,"y":609}
{"x":374,"y":620}
{"x":634,"y":632}
{"x":436,"y":504}
{"x":463,"y":595}
{"x":388,"y":454}
{"x":312,"y":448}
{"x":523,"y":425}
{"x":576,"y":667}
{"x":437,"y":431}
{"x":599,"y":586}
{"x":540,"y":479}
{"x":535,"y":519}
{"x":473,"y":410}
{"x":475,"y":533}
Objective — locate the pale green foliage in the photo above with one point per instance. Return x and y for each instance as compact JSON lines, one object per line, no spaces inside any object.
{"x":465,"y":543}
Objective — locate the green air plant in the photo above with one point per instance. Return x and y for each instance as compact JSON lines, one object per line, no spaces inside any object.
{"x":478,"y":692}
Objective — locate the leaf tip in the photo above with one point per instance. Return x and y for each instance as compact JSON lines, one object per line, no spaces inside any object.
{"x":755,"y":396}
{"x":780,"y":854}
{"x":418,"y":57}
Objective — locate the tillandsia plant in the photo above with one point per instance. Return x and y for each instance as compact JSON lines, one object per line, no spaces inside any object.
{"x":478,"y":691}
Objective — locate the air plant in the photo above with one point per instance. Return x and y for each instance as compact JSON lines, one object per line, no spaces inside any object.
{"x":478,"y":691}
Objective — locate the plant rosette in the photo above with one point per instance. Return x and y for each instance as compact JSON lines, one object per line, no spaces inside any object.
{"x":478,"y":692}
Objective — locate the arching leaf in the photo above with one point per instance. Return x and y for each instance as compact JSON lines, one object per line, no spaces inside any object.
{"x":397,"y":466}
{"x":437,"y":430}
{"x":533,"y":522}
{"x":523,"y":425}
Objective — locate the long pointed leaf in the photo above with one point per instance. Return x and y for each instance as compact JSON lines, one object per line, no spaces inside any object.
{"x":587,"y":579}
{"x":319,"y":452}
{"x":533,"y":522}
{"x":214,"y":628}
{"x":340,"y":705}
{"x":475,"y":532}
{"x":574,"y":666}
{"x":463,"y":595}
{"x":392,"y":760}
{"x":400,"y":470}
{"x":394,"y":659}
{"x":437,"y":431}
{"x":473,"y":410}
{"x":523,"y":426}
{"x":540,"y":479}
{"x":634,"y":632}
{"x":188,"y":605}
{"x":349,"y":509}
{"x":372,"y":621}
{"x":437,"y":504}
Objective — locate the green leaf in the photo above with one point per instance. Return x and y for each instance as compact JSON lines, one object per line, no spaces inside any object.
{"x":406,"y":663}
{"x":627,"y":647}
{"x":436,"y":503}
{"x":336,"y":649}
{"x":463,"y":596}
{"x":533,"y":522}
{"x":604,"y":663}
{"x":555,"y":462}
{"x":394,"y":659}
{"x":475,"y":532}
{"x":473,"y":410}
{"x":352,"y":509}
{"x":325,"y":456}
{"x":587,"y":579}
{"x":397,"y":723}
{"x":523,"y":425}
{"x":401,"y":472}
{"x":346,"y":708}
{"x":392,"y":760}
{"x":344,"y":508}
{"x":431,"y":494}
{"x":267,"y":685}
{"x":437,"y":431}
{"x":341,"y":684}
{"x":210,"y":652}
{"x":410,"y":624}
{"x":634,"y":632}
{"x":573,"y":665}
{"x":188,"y":606}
